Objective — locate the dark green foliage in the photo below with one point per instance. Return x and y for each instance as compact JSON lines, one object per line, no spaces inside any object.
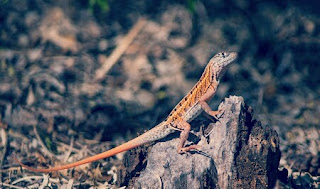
{"x":103,"y":5}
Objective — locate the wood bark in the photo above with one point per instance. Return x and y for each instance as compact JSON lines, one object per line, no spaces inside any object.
{"x":238,"y":153}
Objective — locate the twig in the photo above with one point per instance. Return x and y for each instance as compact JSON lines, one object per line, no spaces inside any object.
{"x":70,"y":150}
{"x":81,"y":146}
{"x":75,"y":150}
{"x":45,"y":181}
{"x":14,"y":134}
{"x":70,"y":183}
{"x":4,"y":139}
{"x":160,"y":181}
{"x":10,"y":169}
{"x":35,"y":185}
{"x":10,"y":186}
{"x":45,"y":149}
{"x":121,"y":48}
{"x":28,"y":178}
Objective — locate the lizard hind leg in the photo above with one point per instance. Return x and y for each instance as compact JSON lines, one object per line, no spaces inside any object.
{"x":185,"y":130}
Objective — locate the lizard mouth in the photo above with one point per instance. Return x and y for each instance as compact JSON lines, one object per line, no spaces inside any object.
{"x":233,"y":56}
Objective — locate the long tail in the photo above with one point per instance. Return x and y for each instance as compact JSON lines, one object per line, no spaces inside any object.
{"x":156,"y":133}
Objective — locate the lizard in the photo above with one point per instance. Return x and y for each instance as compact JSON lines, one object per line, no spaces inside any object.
{"x":191,"y":106}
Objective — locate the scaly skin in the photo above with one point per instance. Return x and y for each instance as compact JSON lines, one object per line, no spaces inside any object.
{"x":192,"y":105}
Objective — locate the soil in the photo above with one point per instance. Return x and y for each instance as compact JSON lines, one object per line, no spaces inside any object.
{"x":54,"y":110}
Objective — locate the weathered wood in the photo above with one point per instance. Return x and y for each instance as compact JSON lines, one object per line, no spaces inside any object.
{"x":238,"y":153}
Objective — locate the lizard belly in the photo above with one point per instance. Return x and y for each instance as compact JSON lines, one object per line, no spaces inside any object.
{"x":192,"y":113}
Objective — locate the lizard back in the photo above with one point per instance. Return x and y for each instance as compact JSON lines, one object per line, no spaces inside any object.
{"x":193,"y":96}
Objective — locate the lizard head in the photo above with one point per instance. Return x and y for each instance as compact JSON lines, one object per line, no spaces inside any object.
{"x":221,"y":61}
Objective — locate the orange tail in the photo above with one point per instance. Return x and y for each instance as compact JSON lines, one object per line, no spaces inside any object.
{"x":124,"y":147}
{"x":156,"y":133}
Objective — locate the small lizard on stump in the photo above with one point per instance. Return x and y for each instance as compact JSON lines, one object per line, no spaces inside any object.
{"x":191,"y":106}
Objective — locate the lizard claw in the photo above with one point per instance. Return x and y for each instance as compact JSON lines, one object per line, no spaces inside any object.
{"x":220,"y":113}
{"x":215,"y":117}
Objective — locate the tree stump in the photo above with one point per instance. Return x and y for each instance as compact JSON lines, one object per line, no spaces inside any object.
{"x":238,"y":153}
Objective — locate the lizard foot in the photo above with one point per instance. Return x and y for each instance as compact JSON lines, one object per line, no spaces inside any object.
{"x":189,"y":148}
{"x":215,"y":113}
{"x":212,"y":115}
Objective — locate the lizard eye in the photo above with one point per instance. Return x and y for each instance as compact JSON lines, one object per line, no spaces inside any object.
{"x":222,"y":55}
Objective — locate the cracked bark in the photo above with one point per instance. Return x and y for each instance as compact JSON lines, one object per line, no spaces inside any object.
{"x":239,"y":153}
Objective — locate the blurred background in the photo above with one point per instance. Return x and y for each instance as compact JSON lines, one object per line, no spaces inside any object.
{"x":91,"y":74}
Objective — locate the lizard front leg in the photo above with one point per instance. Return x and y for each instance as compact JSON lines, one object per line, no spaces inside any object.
{"x":206,"y":98}
{"x":185,"y":130}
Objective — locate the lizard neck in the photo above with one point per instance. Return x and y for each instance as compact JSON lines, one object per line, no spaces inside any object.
{"x":192,"y":98}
